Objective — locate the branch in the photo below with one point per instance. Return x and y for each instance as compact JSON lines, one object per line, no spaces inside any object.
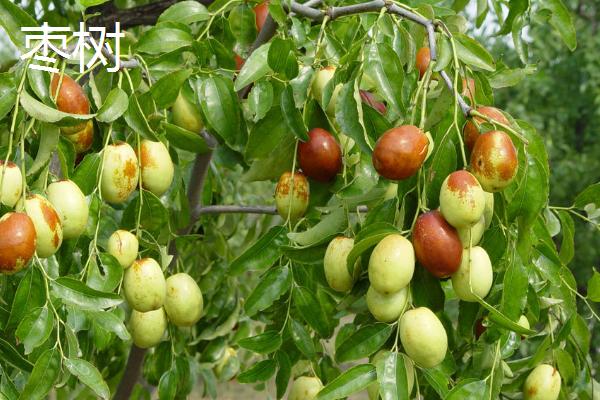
{"x":233,"y":209}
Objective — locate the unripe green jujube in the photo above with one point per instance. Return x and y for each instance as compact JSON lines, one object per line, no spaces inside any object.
{"x":474,"y":276}
{"x":320,"y":81}
{"x":144,"y":285}
{"x":462,"y":200}
{"x":305,"y":388}
{"x":71,"y":205}
{"x":186,"y":115}
{"x":387,"y":307}
{"x":471,"y":236}
{"x":392,"y":264}
{"x":334,"y":264}
{"x":147,"y":328}
{"x":123,"y":245}
{"x":183,"y":303}
{"x":423,"y":337}
{"x":543,"y":383}
{"x":156,"y":167}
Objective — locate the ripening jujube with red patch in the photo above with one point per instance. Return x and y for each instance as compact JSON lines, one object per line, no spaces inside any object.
{"x":423,"y":60}
{"x":320,"y":157}
{"x":82,"y":140}
{"x":494,"y":160}
{"x":70,"y":99}
{"x":17,"y":242}
{"x":471,"y":132}
{"x":437,"y":244}
{"x":11,"y":183}
{"x":120,"y":174}
{"x":292,"y":195}
{"x":462,"y":200}
{"x":49,"y":233}
{"x":400,"y":152}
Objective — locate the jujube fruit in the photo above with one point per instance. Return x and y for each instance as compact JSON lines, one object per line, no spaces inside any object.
{"x":475,"y":275}
{"x":392,"y":264}
{"x":156,"y":167}
{"x":423,"y":60}
{"x":543,"y":383}
{"x":320,"y":157}
{"x":292,"y":195}
{"x":11,"y":183}
{"x":423,"y":337}
{"x":471,"y":131}
{"x":49,"y":233}
{"x":320,"y":81}
{"x":186,"y":114}
{"x":437,"y":244}
{"x":334,"y":264}
{"x":386,"y":307}
{"x":260,"y":12}
{"x":373,"y":389}
{"x":71,"y":99}
{"x":462,"y":200}
{"x":144,"y":285}
{"x":123,"y":246}
{"x":71,"y":205}
{"x":305,"y":388}
{"x":17,"y":242}
{"x":83,"y":139}
{"x":471,"y":235}
{"x":400,"y":152}
{"x":183,"y":303}
{"x":147,"y":328}
{"x":494,"y":160}
{"x":120,"y":174}
{"x":488,"y":211}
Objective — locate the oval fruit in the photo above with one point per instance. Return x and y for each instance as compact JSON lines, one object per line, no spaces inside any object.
{"x":462,"y":199}
{"x":261,"y":11}
{"x":147,"y":328}
{"x":291,"y":198}
{"x":17,"y":242}
{"x":123,"y":246}
{"x":488,"y":211}
{"x":543,"y":383}
{"x":471,"y":132}
{"x":144,"y":285}
{"x":83,"y":139}
{"x":71,"y":99}
{"x":386,"y":307}
{"x":423,"y":337}
{"x":437,"y":244}
{"x":392,"y":264}
{"x":400,"y":152}
{"x":494,"y":160}
{"x":373,"y":389}
{"x":474,"y":276}
{"x":11,"y":183}
{"x":471,"y":236}
{"x":423,"y":60}
{"x":49,"y":233}
{"x":183,"y":303}
{"x":305,"y":388}
{"x":186,"y":115}
{"x":239,"y":62}
{"x":320,"y":81}
{"x":334,"y":264}
{"x":320,"y":157}
{"x":120,"y":174}
{"x":71,"y":205}
{"x":157,"y":167}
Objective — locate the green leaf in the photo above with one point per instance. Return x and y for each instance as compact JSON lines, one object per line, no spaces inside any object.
{"x":330,"y":225}
{"x":593,"y":287}
{"x":42,"y":378}
{"x":12,"y":19}
{"x":167,"y":386}
{"x":283,"y":374}
{"x":8,"y":93}
{"x":392,"y":377}
{"x":163,"y":38}
{"x":510,"y":77}
{"x":265,"y":343}
{"x":30,"y":294}
{"x":185,"y":12}
{"x":220,"y":106}
{"x":516,"y":8}
{"x":366,"y":239}
{"x":242,"y":23}
{"x":426,"y":290}
{"x":259,"y":372}
{"x":302,"y":339}
{"x":472,"y":53}
{"x":292,"y":115}
{"x":114,"y":106}
{"x":562,"y":21}
{"x":590,"y":195}
{"x":111,"y":276}
{"x":311,"y":311}
{"x":270,"y":288}
{"x":282,"y":59}
{"x":39,"y":82}
{"x":260,"y":99}
{"x":90,"y":3}
{"x":48,"y":142}
{"x":514,"y":293}
{"x":13,"y":357}
{"x":438,"y":380}
{"x":89,"y":375}
{"x":273,"y":167}
{"x":384,"y":66}
{"x":75,"y":292}
{"x":267,"y":135}
{"x":136,"y":119}
{"x":567,"y":245}
{"x":531,"y":193}
{"x":35,"y":328}
{"x":364,"y":342}
{"x":255,"y":67}
{"x":109,"y":322}
{"x":42,"y":112}
{"x":166,"y":89}
{"x":184,"y":139}
{"x":351,"y":381}
{"x":349,"y":115}
{"x":261,"y":254}
{"x":86,"y":173}
{"x":468,"y":389}
{"x":308,"y":256}
{"x":154,"y":215}
{"x":502,"y":320}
